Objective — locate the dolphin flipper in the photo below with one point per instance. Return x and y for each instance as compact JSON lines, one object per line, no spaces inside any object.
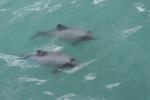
{"x":64,"y":66}
{"x":26,"y":56}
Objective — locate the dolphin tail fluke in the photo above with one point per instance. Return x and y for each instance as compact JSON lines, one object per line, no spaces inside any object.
{"x":40,"y":33}
{"x":25,"y":57}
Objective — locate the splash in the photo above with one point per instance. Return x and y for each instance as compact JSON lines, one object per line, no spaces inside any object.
{"x":28,"y":79}
{"x":12,"y":60}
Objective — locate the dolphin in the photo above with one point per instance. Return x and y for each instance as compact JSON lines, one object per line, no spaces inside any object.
{"x":68,"y":34}
{"x":58,"y":60}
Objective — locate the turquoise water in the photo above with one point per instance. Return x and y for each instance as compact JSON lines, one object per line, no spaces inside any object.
{"x":113,"y":67}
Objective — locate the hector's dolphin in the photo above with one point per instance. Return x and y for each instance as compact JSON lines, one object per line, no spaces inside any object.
{"x":56,"y":59}
{"x":68,"y":34}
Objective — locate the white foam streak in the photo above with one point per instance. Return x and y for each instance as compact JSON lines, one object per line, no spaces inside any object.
{"x":95,"y":2}
{"x":140,"y":7}
{"x":66,"y":97}
{"x":73,"y":96}
{"x":128,"y":32}
{"x":112,"y":85}
{"x":90,"y":76}
{"x":28,"y":79}
{"x":48,"y":93}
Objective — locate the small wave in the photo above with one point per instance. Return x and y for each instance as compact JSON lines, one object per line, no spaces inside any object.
{"x":73,"y":1}
{"x":112,"y":85}
{"x":49,"y":93}
{"x":81,"y":66}
{"x":28,"y":79}
{"x":90,"y":76}
{"x":140,"y":7}
{"x":66,"y":96}
{"x":4,"y":10}
{"x":3,"y":2}
{"x":148,"y":13}
{"x":12,"y":60}
{"x":73,"y":96}
{"x":95,"y":2}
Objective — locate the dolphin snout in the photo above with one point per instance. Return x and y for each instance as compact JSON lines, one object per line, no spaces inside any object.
{"x":74,"y":62}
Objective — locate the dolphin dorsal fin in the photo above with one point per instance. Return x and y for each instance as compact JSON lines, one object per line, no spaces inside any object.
{"x":61,"y":27}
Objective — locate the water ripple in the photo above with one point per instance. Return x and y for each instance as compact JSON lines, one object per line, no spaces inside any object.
{"x":2,"y":2}
{"x":54,"y":8}
{"x":130,"y":31}
{"x":44,"y":5}
{"x":51,"y":47}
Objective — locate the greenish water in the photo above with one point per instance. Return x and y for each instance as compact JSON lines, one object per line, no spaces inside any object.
{"x":116,"y":66}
